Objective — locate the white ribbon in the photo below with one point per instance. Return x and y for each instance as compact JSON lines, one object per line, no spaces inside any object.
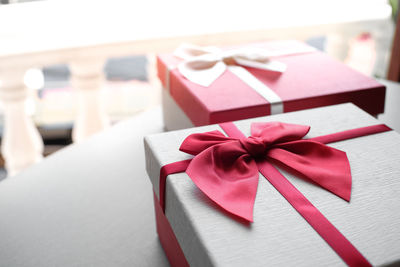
{"x":203,"y":65}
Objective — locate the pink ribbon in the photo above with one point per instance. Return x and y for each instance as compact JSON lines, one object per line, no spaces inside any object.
{"x":227,"y":170}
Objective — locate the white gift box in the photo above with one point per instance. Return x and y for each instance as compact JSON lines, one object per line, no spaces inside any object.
{"x":279,"y":235}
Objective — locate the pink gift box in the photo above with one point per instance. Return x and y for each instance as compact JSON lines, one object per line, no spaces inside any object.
{"x":312,"y":79}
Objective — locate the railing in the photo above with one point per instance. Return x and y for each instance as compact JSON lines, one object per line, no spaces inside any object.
{"x":85,"y":35}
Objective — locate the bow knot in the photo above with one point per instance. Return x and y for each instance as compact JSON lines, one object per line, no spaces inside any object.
{"x":226,"y":168}
{"x":255,"y":146}
{"x":203,"y":65}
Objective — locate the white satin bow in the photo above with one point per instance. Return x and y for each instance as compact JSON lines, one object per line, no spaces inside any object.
{"x":203,"y":65}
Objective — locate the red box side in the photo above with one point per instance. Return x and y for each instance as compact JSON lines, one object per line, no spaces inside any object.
{"x":167,"y":237}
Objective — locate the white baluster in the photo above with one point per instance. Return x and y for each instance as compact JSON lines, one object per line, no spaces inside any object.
{"x":87,"y":78}
{"x":154,"y":82}
{"x":21,"y":144}
{"x":337,"y":44}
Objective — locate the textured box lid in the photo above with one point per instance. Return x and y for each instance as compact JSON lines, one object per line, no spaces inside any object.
{"x":311,"y":80}
{"x":279,"y":235}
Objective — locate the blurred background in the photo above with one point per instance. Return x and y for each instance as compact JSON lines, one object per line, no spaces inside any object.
{"x":358,"y":33}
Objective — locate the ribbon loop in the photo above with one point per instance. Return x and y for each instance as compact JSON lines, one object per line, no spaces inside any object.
{"x":278,"y":132}
{"x":187,"y":51}
{"x":255,"y":146}
{"x":196,"y":143}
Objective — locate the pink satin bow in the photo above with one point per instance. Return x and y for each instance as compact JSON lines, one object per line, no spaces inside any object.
{"x":225,"y":168}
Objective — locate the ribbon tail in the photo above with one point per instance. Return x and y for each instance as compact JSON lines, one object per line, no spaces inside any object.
{"x":213,"y":170}
{"x":326,"y":166}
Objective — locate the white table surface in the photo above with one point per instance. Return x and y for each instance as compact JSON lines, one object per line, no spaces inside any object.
{"x":91,"y":204}
{"x":86,"y":205}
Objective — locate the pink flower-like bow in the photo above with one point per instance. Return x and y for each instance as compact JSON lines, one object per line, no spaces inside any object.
{"x":225,"y":168}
